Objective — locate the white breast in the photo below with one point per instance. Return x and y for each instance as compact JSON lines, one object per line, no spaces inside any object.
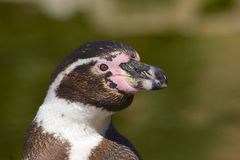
{"x":83,"y":126}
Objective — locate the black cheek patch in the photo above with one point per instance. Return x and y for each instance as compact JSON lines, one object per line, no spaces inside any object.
{"x":111,"y":84}
{"x":108,"y":74}
{"x":81,"y":85}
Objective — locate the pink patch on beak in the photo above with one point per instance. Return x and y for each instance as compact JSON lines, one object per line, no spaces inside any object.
{"x":122,"y":84}
{"x":119,"y":76}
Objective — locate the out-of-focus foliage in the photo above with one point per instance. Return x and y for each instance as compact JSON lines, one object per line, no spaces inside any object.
{"x":216,"y":6}
{"x":197,"y":117}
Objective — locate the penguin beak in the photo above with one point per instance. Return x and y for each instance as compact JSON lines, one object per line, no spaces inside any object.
{"x":144,"y":76}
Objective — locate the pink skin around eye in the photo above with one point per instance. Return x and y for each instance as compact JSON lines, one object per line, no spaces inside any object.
{"x":119,"y":76}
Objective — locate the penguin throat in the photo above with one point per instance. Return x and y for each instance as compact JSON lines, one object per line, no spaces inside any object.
{"x":58,"y":115}
{"x":82,"y":126}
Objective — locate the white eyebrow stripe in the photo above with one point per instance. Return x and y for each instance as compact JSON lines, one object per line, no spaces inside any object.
{"x":51,"y":91}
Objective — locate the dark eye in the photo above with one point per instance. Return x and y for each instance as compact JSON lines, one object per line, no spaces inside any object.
{"x":103,"y":67}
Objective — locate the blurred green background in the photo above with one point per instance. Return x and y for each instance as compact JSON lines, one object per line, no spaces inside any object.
{"x":195,"y":41}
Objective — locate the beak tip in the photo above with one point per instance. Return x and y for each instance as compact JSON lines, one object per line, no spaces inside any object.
{"x":164,"y":85}
{"x":162,"y":81}
{"x":159,"y":84}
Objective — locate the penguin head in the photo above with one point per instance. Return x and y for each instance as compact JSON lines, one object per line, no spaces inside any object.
{"x":104,"y":74}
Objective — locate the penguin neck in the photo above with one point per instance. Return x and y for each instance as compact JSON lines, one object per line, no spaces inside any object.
{"x":65,"y":118}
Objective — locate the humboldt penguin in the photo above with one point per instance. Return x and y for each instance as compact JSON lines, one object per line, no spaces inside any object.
{"x":88,"y":86}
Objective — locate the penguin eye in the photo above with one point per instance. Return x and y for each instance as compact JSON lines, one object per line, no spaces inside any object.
{"x":103,"y":67}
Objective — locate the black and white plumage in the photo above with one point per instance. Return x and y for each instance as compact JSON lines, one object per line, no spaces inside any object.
{"x":88,"y":86}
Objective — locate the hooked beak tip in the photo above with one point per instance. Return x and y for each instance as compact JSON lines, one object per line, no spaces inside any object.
{"x":161,"y":80}
{"x":144,"y":76}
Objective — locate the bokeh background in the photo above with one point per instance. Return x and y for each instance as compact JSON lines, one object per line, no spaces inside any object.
{"x":195,"y":41}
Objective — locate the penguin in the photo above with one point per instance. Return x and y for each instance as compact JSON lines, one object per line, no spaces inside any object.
{"x":88,"y":86}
